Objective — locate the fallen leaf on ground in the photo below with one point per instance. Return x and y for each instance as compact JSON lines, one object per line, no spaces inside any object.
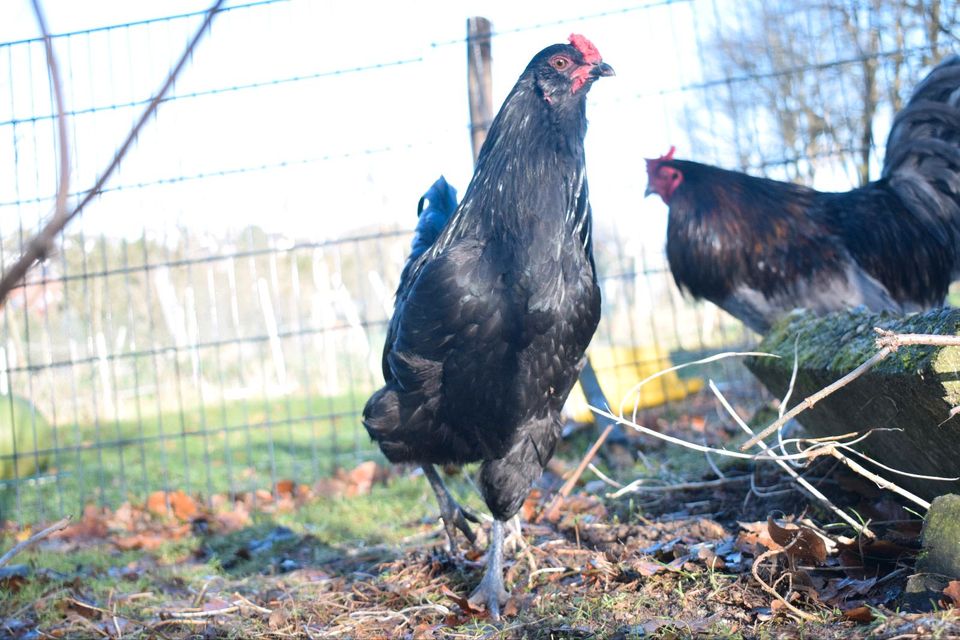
{"x":145,"y":541}
{"x":356,"y":482}
{"x":13,"y":577}
{"x":953,"y":593}
{"x":861,"y":614}
{"x":361,"y":478}
{"x":711,"y":559}
{"x":85,"y":609}
{"x":530,"y":505}
{"x":462,"y":602}
{"x":216,"y":604}
{"x":278,"y":619}
{"x":872,"y":558}
{"x":755,"y":538}
{"x":181,"y":505}
{"x":285,"y":487}
{"x":800,"y":543}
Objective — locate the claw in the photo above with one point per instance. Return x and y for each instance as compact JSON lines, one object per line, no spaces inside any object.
{"x":490,"y":592}
{"x":454,"y":516}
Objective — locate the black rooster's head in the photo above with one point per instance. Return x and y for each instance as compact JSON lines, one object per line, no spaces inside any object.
{"x":662,"y":178}
{"x":564,"y":70}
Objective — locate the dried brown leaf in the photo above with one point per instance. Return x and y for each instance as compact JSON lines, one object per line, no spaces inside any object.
{"x":85,"y":609}
{"x":361,"y":478}
{"x":711,"y":559}
{"x":233,"y":520}
{"x":861,"y":614}
{"x":285,"y":487}
{"x":953,"y":594}
{"x":278,"y":619}
{"x":755,"y":538}
{"x":531,"y":505}
{"x":462,"y":602}
{"x":146,"y":541}
{"x":801,"y":544}
{"x":872,"y":558}
{"x":13,"y":577}
{"x":216,"y":604}
{"x":181,"y":505}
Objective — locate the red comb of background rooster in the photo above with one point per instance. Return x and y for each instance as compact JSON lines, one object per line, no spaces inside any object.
{"x":590,"y":53}
{"x":653,"y":162}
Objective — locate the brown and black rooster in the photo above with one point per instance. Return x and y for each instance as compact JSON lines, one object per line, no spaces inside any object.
{"x":492,"y":319}
{"x":760,"y":248}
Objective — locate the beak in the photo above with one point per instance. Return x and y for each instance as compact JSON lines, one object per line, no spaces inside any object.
{"x":602,"y":70}
{"x":649,"y":191}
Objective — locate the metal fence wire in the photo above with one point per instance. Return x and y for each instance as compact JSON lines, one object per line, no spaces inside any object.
{"x":213,"y":321}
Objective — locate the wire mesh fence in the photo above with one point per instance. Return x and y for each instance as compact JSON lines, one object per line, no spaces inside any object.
{"x":213,"y":321}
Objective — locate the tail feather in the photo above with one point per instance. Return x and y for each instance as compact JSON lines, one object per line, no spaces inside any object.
{"x":922,"y":163}
{"x":435,"y":208}
{"x":381,"y":418}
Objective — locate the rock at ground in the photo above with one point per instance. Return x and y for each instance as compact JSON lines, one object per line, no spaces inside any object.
{"x":923,"y":593}
{"x":914,"y":389}
{"x":941,"y":538}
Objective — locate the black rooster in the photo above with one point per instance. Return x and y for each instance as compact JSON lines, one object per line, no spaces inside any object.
{"x":492,"y":320}
{"x":760,"y":248}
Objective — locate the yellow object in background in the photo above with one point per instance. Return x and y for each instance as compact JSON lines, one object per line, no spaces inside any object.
{"x":619,"y":369}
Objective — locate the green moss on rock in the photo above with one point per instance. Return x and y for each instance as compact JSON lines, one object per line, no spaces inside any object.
{"x":912,"y":390}
{"x":941,"y":538}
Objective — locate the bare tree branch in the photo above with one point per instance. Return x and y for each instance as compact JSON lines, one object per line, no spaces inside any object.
{"x":34,"y":539}
{"x":41,"y":244}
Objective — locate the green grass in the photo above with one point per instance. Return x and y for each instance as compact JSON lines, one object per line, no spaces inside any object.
{"x":239,"y":446}
{"x":323,"y":529}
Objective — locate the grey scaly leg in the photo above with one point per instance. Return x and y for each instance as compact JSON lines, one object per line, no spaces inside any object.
{"x":454,"y":516}
{"x":490,"y":591}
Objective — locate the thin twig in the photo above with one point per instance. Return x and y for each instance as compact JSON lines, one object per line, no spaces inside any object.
{"x":803,"y":615}
{"x":550,"y":512}
{"x":717,"y":356}
{"x":880,"y":482}
{"x":637,"y":486}
{"x":604,"y":477}
{"x":823,"y":448}
{"x":803,"y":482}
{"x":186,"y":615}
{"x":813,"y":399}
{"x":890,"y":340}
{"x":698,"y":447}
{"x":786,"y":398}
{"x":63,"y":175}
{"x":39,"y":246}
{"x":243,"y":601}
{"x":34,"y":539}
{"x":887,"y":342}
{"x":793,"y":376}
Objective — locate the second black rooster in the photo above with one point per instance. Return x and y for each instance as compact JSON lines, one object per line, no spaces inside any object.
{"x":760,"y":248}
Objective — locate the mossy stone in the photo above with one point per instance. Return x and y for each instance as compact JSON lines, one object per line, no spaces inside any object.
{"x":941,"y":538}
{"x":913,"y":390}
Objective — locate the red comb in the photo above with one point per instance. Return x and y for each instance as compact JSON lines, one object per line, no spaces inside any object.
{"x":653,"y":162}
{"x":590,"y":53}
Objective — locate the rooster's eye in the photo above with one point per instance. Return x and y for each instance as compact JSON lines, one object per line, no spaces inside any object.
{"x":560,"y":63}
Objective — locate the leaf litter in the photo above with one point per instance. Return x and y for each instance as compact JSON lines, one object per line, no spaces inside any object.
{"x":597,"y":568}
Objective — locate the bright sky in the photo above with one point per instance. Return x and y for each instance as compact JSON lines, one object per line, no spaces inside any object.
{"x":360,"y":147}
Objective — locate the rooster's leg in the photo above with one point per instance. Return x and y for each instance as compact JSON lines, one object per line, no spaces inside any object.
{"x":490,"y":592}
{"x":454,"y":516}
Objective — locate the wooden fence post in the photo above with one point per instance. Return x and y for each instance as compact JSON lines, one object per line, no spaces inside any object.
{"x":479,"y":80}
